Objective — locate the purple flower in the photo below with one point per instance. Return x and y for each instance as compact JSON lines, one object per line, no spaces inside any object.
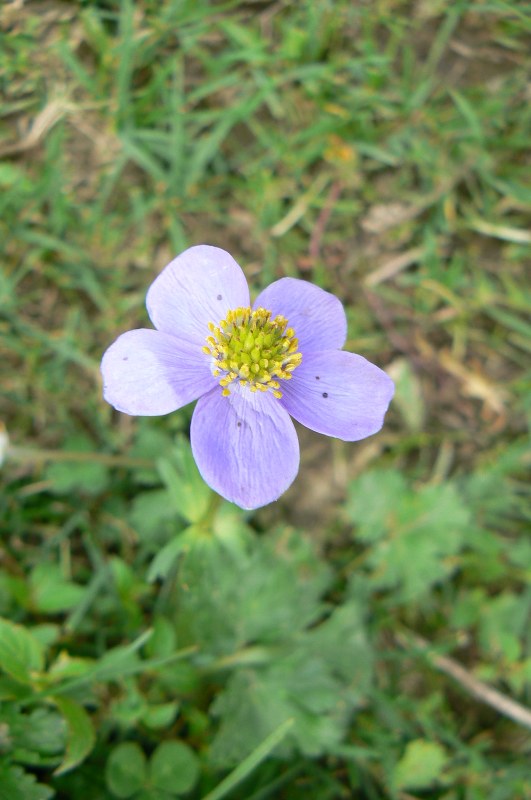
{"x":249,"y":367}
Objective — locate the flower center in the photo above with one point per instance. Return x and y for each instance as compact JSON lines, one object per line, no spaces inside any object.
{"x":251,"y":347}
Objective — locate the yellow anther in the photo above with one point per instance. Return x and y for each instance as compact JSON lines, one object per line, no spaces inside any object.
{"x":254,"y":349}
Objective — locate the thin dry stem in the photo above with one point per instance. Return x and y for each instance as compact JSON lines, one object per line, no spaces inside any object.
{"x":478,"y":689}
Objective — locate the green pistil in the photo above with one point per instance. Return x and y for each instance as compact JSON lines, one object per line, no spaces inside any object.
{"x":254,"y":349}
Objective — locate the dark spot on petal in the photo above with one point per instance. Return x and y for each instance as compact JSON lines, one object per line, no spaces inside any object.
{"x":125,"y":358}
{"x":325,"y":394}
{"x":239,"y":424}
{"x":317,"y":378}
{"x":220,"y":297}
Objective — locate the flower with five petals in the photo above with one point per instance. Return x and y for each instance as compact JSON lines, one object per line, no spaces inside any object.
{"x":250,"y":367}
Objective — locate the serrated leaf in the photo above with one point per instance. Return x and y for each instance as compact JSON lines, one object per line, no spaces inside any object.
{"x":317,"y":683}
{"x":126,"y":770}
{"x":20,"y":653}
{"x":80,"y":733}
{"x":15,"y":784}
{"x":413,"y":535}
{"x":249,"y":764}
{"x":503,"y":621}
{"x":32,"y":737}
{"x":263,"y":594}
{"x":174,"y":768}
{"x":421,"y":766}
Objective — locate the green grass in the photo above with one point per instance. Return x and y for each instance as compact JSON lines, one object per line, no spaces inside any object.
{"x":380,"y":150}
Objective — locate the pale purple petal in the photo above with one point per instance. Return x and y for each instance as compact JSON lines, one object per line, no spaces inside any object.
{"x":148,"y":373}
{"x":339,"y":394}
{"x":245,"y":446}
{"x":317,"y":317}
{"x":196,"y":288}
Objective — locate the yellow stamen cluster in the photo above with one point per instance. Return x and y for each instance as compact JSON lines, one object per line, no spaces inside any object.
{"x":254,"y":349}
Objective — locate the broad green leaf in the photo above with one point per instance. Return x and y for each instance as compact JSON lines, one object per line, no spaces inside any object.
{"x":21,"y":654}
{"x":174,"y":767}
{"x":126,"y":772}
{"x":421,"y":766}
{"x":80,"y":733}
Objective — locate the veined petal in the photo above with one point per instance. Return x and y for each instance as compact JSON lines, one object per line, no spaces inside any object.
{"x":317,"y":317}
{"x":148,"y":373}
{"x":245,"y":446}
{"x":339,"y":394}
{"x":196,"y":288}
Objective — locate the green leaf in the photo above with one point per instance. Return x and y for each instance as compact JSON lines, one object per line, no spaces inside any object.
{"x":163,"y":562}
{"x":503,"y":623}
{"x":163,"y":642}
{"x":15,"y":784}
{"x":414,"y":535}
{"x":302,"y":683}
{"x":120,"y":661}
{"x":80,"y":737}
{"x":174,"y":768}
{"x":408,"y":395}
{"x":161,"y":715}
{"x":421,"y":766}
{"x":51,"y":593}
{"x":151,"y":513}
{"x":31,"y":738}
{"x":12,"y":175}
{"x":188,"y":493}
{"x":249,"y":764}
{"x":125,"y":772}
{"x":153,"y":794}
{"x":89,"y":477}
{"x":20,"y":653}
{"x":262,"y":594}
